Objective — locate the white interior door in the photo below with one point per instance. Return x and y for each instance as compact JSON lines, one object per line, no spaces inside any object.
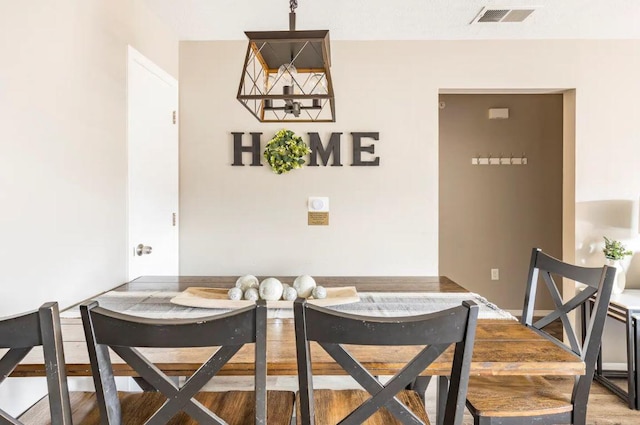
{"x":152,"y":101}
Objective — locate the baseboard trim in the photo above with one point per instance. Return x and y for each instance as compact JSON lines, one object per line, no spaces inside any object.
{"x":614,"y":366}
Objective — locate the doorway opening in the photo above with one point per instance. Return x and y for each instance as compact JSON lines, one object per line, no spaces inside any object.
{"x":506,"y":185}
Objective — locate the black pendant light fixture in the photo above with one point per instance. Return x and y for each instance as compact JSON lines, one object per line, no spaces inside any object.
{"x":286,"y":75}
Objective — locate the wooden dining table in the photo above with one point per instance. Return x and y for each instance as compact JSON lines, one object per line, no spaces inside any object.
{"x":502,"y":347}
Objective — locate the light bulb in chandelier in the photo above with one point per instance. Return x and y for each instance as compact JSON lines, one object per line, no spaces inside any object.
{"x":316,"y":84}
{"x":287,"y":73}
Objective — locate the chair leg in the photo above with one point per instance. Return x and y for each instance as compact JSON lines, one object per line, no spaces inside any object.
{"x":441,"y":398}
{"x":580,"y":417}
{"x":481,"y":420}
{"x":420,"y":386}
{"x":636,"y":362}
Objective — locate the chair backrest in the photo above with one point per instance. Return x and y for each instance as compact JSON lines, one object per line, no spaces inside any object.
{"x":599,"y":284}
{"x":23,"y":332}
{"x":436,"y":331}
{"x":122,"y":333}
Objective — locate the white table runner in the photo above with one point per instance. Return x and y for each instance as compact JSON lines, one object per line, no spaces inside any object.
{"x":156,"y":304}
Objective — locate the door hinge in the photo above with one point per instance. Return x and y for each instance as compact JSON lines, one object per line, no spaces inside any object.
{"x":173,"y":219}
{"x":174,"y":117}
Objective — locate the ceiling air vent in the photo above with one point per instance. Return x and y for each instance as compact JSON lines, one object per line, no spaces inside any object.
{"x":502,"y":15}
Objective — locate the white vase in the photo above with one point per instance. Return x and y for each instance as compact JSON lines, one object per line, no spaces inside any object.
{"x":620,"y":280}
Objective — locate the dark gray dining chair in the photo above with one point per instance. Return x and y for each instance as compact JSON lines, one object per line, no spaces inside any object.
{"x":381,"y":404}
{"x":20,"y":334}
{"x":520,"y":400}
{"x":188,"y":404}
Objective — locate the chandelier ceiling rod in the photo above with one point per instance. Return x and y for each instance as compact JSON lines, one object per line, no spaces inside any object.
{"x":293,"y":4}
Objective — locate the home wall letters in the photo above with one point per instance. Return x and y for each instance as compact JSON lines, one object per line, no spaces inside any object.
{"x":319,"y":150}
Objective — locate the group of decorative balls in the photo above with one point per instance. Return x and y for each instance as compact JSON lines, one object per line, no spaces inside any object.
{"x":271,"y":289}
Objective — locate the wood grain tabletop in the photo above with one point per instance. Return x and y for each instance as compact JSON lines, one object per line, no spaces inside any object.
{"x":503,"y":347}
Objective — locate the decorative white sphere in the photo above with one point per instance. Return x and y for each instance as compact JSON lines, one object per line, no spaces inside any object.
{"x":304,"y":285}
{"x":235,"y":294}
{"x":270,"y":289}
{"x":319,"y":292}
{"x":289,"y":294}
{"x":251,"y":294}
{"x":247,"y":281}
{"x":285,"y":286}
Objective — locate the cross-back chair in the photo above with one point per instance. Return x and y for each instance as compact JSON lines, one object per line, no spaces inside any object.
{"x":389,"y":403}
{"x":187,"y":404}
{"x":20,"y":334}
{"x":527,"y":399}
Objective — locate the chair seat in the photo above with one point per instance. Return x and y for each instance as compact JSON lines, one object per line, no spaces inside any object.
{"x":332,"y":406}
{"x":235,"y":407}
{"x":515,"y":396}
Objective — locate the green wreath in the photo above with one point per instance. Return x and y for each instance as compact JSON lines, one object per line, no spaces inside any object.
{"x":285,"y":151}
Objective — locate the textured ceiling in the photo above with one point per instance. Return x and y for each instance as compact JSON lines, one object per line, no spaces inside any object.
{"x":402,"y":20}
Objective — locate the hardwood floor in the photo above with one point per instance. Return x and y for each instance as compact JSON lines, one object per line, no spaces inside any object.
{"x":604,"y":407}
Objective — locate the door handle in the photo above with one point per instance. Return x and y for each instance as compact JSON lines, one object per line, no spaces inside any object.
{"x":142,"y":250}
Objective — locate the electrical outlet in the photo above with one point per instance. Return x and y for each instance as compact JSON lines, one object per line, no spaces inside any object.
{"x":495,"y":274}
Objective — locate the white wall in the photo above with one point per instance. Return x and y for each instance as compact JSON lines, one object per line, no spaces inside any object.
{"x":383,"y":219}
{"x":63,"y":144}
{"x":63,"y":151}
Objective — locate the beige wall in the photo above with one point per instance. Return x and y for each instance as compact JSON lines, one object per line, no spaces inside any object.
{"x":63,"y":166}
{"x":384,"y":220}
{"x":491,"y":216}
{"x":238,"y":220}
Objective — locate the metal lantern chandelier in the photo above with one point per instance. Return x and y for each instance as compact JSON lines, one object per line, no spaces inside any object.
{"x":286,"y":75}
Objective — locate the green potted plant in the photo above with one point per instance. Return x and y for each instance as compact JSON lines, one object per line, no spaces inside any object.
{"x":614,"y":251}
{"x":285,"y":152}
